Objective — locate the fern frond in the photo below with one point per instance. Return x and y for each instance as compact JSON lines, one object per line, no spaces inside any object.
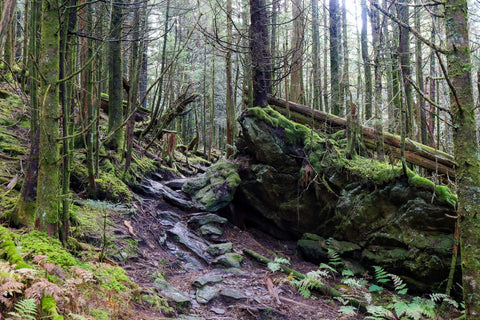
{"x":25,"y":310}
{"x":42,"y":287}
{"x":381,"y":276}
{"x":85,"y":275}
{"x":328,"y":267}
{"x":11,"y":286}
{"x":442,"y":297}
{"x":353,"y":283}
{"x":398,"y":284}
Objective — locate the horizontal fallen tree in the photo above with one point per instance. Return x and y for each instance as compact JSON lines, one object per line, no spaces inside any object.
{"x":415,"y":152}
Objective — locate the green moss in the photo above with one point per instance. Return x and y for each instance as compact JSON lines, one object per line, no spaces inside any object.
{"x":49,"y":306}
{"x":112,"y":278}
{"x":378,"y":171}
{"x":98,"y":314}
{"x":443,"y":193}
{"x":139,"y":168}
{"x":9,"y":251}
{"x":40,"y":244}
{"x":294,"y":132}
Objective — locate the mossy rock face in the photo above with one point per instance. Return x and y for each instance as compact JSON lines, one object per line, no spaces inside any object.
{"x":301,"y":182}
{"x":215,"y":188}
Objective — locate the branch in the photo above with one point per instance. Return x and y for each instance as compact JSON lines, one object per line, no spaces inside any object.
{"x":450,"y":84}
{"x":433,"y":103}
{"x":409,"y":28}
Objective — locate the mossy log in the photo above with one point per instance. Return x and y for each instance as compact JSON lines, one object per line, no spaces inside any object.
{"x":323,"y":289}
{"x":415,"y":153}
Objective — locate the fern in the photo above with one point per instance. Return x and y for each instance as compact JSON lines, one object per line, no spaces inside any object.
{"x":398,"y":284}
{"x":381,"y":276}
{"x":312,"y":280}
{"x":275,"y":265}
{"x":25,"y":310}
{"x":348,"y":310}
{"x":442,"y":297}
{"x":354,"y":283}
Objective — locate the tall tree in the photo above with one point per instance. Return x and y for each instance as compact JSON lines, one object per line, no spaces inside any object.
{"x":297,"y":90}
{"x":366,"y":62}
{"x":335,"y":43}
{"x":115,"y":88}
{"x":317,"y":79}
{"x":48,"y":187}
{"x":403,"y":13}
{"x":466,"y":150}
{"x":419,"y":75}
{"x":260,"y":52}
{"x":230,"y":107}
{"x":376,"y":42}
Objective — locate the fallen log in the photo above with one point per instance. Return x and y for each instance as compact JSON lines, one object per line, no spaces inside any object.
{"x":415,"y":152}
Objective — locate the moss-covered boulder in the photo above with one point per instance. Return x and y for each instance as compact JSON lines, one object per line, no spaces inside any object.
{"x":296,"y":181}
{"x":215,"y":188}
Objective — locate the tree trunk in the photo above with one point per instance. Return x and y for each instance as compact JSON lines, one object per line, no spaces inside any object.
{"x":406,"y":69}
{"x":335,"y":70}
{"x":115,"y":103}
{"x":48,"y":187}
{"x":297,"y":91}
{"x":465,"y":149}
{"x":260,"y":52}
{"x":230,"y":107}
{"x":376,"y":42}
{"x":419,"y":76}
{"x":366,"y":63}
{"x":317,"y":80}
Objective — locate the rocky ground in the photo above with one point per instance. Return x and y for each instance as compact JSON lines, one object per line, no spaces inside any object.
{"x":195,"y":260}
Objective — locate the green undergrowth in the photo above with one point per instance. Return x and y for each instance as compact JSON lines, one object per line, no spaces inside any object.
{"x":328,"y":151}
{"x":376,"y":295}
{"x":38,"y":243}
{"x":60,"y":284}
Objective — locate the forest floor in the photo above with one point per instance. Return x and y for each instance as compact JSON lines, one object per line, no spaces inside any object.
{"x":249,"y":292}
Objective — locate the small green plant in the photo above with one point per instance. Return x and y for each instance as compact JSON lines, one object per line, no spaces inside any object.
{"x":25,"y":310}
{"x":312,"y":280}
{"x":275,"y":264}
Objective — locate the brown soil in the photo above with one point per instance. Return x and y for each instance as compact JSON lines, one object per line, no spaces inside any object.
{"x":281,"y":302}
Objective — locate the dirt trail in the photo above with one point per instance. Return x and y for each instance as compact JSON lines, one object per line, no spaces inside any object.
{"x":171,"y":246}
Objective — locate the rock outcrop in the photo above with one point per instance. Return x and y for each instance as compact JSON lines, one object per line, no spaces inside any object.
{"x":295,"y":181}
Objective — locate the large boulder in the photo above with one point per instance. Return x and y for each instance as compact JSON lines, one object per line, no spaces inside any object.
{"x":295,"y":181}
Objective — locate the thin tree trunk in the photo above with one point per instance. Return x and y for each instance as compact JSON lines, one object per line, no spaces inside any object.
{"x":230,"y":107}
{"x":419,"y":76}
{"x":366,"y":63}
{"x":406,"y":69}
{"x":317,"y":80}
{"x":297,"y":90}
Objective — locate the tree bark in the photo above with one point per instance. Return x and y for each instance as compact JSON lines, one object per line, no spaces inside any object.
{"x":465,"y":149}
{"x":406,"y":69}
{"x":230,"y":107}
{"x":48,"y":187}
{"x":366,"y":63}
{"x":297,"y":91}
{"x":317,"y":80}
{"x":260,"y":52}
{"x":335,"y":70}
{"x":115,"y":104}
